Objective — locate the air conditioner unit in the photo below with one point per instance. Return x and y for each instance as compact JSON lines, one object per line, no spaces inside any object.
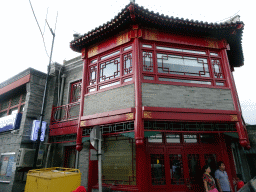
{"x":26,"y":158}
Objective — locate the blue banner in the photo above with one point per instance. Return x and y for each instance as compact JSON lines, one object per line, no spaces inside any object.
{"x":35,"y":129}
{"x":10,"y":122}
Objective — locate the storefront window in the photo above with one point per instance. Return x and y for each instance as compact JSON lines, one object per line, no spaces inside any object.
{"x":176,"y":169}
{"x":119,"y":166}
{"x":157,"y":169}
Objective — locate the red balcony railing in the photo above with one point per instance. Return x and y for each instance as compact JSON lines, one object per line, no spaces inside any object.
{"x":65,"y":112}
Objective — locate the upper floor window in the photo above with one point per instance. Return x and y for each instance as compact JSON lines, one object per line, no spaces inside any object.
{"x":75,"y":91}
{"x":109,"y":69}
{"x":183,"y":65}
{"x":12,"y":105}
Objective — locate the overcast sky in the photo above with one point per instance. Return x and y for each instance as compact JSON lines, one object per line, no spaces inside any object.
{"x":22,"y":45}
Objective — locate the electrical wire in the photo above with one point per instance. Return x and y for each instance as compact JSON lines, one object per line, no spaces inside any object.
{"x":39,"y":28}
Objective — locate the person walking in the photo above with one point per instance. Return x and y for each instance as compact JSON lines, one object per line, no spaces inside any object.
{"x":209,"y":183}
{"x":221,"y":177}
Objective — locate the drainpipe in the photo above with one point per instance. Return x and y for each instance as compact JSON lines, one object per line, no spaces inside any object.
{"x":61,"y":94}
{"x":48,"y":154}
{"x":62,"y":88}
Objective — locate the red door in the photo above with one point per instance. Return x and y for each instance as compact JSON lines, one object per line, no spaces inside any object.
{"x":179,"y":168}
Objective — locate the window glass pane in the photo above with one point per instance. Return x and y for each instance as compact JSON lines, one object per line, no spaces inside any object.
{"x":176,"y":169}
{"x":156,"y":138}
{"x":214,"y":54}
{"x":147,"y":61}
{"x":75,"y":91}
{"x":210,"y":159}
{"x":220,"y":84}
{"x":196,"y":52}
{"x":119,"y":165}
{"x":91,"y":89}
{"x":128,"y":79}
{"x":127,"y":63}
{"x":172,"y":138}
{"x":22,"y":108}
{"x":148,"y":77}
{"x":94,"y":61}
{"x":93,"y":74}
{"x":3,"y":114}
{"x":194,"y":169}
{"x":13,"y":111}
{"x":216,"y":68}
{"x":168,"y":48}
{"x":127,"y":48}
{"x":23,"y":99}
{"x":157,"y":169}
{"x":190,"y":138}
{"x":15,"y":100}
{"x":109,"y":85}
{"x":180,"y":50}
{"x":147,"y":46}
{"x":185,"y":81}
{"x":205,"y":138}
{"x":109,"y":55}
{"x":4,"y":104}
{"x":110,"y":69}
{"x":179,"y":65}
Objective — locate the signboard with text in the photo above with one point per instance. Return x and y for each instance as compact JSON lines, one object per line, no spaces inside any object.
{"x":10,"y":122}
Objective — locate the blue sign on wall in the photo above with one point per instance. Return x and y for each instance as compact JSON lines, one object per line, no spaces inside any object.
{"x":10,"y":122}
{"x":35,"y":129}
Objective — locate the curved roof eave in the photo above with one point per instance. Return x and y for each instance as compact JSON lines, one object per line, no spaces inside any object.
{"x":134,"y":14}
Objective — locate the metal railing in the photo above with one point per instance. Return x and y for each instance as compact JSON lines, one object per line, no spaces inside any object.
{"x":65,"y":112}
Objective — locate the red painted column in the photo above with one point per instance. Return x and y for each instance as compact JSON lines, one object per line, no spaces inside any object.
{"x":79,"y":144}
{"x":141,"y":171}
{"x":243,"y":138}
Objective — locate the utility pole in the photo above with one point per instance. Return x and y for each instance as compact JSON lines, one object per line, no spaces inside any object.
{"x":44,"y":99}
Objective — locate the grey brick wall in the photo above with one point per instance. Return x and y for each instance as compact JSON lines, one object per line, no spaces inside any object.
{"x":110,"y":100}
{"x":159,"y":95}
{"x":83,"y":164}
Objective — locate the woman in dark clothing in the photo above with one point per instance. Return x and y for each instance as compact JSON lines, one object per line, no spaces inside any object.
{"x":209,"y":182}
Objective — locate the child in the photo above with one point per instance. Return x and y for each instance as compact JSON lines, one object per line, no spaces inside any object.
{"x":239,"y":183}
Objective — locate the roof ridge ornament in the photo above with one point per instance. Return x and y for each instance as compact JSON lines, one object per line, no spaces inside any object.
{"x":132,"y":1}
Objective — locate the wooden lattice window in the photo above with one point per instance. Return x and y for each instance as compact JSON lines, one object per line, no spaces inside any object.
{"x":111,"y":68}
{"x":75,"y":91}
{"x":12,"y":105}
{"x":172,"y":64}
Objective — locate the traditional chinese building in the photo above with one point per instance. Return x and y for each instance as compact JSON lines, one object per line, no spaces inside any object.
{"x":163,"y":93}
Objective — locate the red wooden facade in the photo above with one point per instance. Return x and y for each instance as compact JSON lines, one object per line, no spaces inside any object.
{"x":135,"y":52}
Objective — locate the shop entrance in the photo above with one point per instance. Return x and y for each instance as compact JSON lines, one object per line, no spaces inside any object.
{"x":178,"y":166}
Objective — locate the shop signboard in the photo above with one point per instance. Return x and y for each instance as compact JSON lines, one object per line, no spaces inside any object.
{"x":10,"y":122}
{"x":35,"y":129}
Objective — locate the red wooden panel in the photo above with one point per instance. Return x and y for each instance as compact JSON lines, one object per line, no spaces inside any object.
{"x":63,"y":131}
{"x":185,"y":40}
{"x":188,"y":116}
{"x":107,"y":120}
{"x":188,"y":110}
